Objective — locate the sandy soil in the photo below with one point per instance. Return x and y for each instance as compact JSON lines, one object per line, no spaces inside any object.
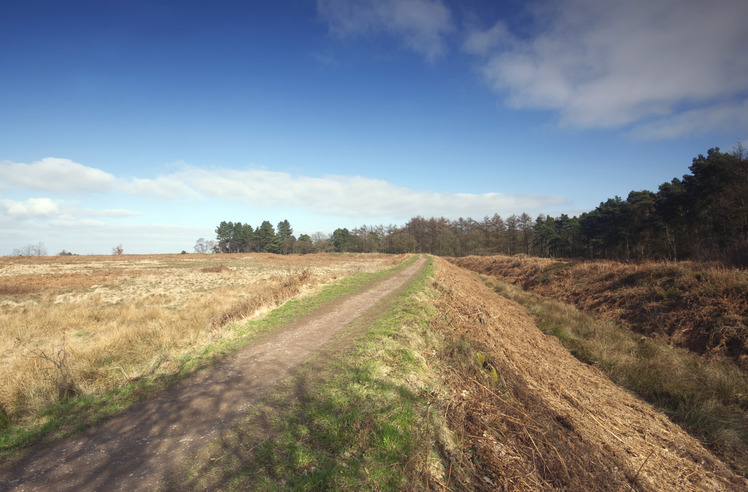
{"x":136,"y":450}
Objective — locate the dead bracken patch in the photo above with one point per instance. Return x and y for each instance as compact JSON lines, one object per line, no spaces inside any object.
{"x":546,"y":421}
{"x":14,"y":289}
{"x":215,"y":269}
{"x":701,"y":307}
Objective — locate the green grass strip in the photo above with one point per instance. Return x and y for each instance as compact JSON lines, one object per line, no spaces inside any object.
{"x":347,"y":421}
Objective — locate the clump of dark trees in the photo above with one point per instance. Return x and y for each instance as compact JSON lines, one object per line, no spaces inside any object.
{"x":702,"y":216}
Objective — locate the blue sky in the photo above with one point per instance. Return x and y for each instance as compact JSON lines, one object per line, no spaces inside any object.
{"x":146,"y":123}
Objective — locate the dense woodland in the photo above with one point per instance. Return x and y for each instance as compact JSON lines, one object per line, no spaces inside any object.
{"x":702,"y":216}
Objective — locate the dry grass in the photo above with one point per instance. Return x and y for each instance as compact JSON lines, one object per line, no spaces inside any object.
{"x":671,"y":332}
{"x":708,"y":397}
{"x":532,"y":417}
{"x":105,"y":321}
{"x":702,"y":307}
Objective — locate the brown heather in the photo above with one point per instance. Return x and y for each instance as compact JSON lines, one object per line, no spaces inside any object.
{"x":646,"y":318}
{"x":527,"y":415}
{"x":111,"y":320}
{"x":698,"y":306}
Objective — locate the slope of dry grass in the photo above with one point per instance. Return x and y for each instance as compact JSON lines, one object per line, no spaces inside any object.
{"x":703,"y":390}
{"x":529,"y":416}
{"x":701,"y":307}
{"x":87,"y":324}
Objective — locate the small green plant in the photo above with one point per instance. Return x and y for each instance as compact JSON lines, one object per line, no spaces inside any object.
{"x":4,"y":419}
{"x":490,"y":370}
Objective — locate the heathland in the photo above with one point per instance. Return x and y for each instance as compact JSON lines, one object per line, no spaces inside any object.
{"x":457,"y":385}
{"x":87,"y":324}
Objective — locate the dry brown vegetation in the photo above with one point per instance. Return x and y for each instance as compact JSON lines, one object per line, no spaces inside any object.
{"x":701,"y":307}
{"x":527,"y":415}
{"x":704,"y":390}
{"x":84,"y":324}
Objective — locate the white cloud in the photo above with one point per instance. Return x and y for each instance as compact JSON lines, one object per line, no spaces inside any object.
{"x":86,"y":226}
{"x":191,"y":196}
{"x":47,"y":209}
{"x":161,"y":187}
{"x":613,"y":64}
{"x":340,"y":196}
{"x":420,"y":24}
{"x":30,"y":208}
{"x":112,"y":212}
{"x":726,"y":117}
{"x":55,"y":175}
{"x":345,"y":196}
{"x":484,"y":42}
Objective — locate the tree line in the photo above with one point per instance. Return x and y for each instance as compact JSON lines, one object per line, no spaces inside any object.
{"x":704,"y":215}
{"x":235,"y":237}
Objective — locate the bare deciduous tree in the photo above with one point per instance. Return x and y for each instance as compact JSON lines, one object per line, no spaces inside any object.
{"x":203,"y":246}
{"x":38,"y":249}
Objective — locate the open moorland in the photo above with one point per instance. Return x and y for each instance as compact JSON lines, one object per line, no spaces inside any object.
{"x":453,"y":383}
{"x":455,"y":389}
{"x":85,"y":324}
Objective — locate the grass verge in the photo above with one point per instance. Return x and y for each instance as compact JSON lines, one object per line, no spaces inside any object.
{"x":356,"y":419}
{"x":708,"y":397}
{"x":74,"y":414}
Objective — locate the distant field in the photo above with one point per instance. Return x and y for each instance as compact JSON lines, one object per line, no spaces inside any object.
{"x":84,"y":324}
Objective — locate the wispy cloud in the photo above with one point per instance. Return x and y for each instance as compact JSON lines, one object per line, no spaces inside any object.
{"x":162,"y":187}
{"x":82,"y":221}
{"x":111,"y":213}
{"x":421,"y":25}
{"x":334,"y":195}
{"x":55,"y":175}
{"x":344,"y":196}
{"x":727,"y":117}
{"x":615,"y":64}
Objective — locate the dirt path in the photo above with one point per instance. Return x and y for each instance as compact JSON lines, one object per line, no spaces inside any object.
{"x":134,"y":450}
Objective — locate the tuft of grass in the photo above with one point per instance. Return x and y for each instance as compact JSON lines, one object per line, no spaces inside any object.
{"x":708,"y":397}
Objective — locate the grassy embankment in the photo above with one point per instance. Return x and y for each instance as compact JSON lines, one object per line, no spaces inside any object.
{"x":707,"y":395}
{"x":377,"y":415}
{"x":425,"y":399}
{"x":83,"y":361}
